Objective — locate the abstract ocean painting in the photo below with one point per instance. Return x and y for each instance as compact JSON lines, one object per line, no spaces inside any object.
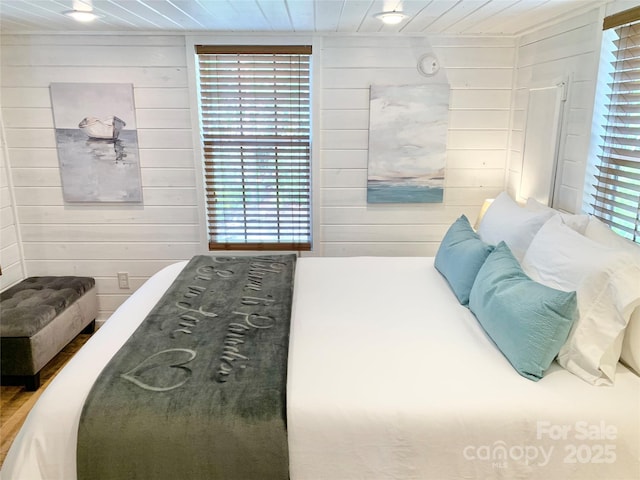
{"x":407,"y":143}
{"x":97,"y":142}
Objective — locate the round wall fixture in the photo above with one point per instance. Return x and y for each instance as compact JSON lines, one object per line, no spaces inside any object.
{"x":428,"y":65}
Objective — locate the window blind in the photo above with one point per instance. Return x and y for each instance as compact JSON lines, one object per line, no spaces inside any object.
{"x":255,"y":122}
{"x":616,"y":196}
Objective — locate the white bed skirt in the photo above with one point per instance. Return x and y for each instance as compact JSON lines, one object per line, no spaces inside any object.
{"x":389,"y":377}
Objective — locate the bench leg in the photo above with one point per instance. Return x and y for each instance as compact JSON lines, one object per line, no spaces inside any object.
{"x":91,"y":328}
{"x":32,"y":382}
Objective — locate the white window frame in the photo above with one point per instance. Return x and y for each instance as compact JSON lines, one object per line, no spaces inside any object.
{"x":595,"y":202}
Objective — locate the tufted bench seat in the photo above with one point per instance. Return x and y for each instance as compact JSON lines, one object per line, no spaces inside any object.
{"x":38,"y":317}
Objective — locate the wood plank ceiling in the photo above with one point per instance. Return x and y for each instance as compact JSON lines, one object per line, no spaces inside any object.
{"x":454,"y":17}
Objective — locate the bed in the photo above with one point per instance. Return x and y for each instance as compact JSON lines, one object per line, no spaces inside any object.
{"x":389,"y":376}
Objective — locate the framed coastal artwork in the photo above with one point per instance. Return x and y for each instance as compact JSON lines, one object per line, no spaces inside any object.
{"x":407,"y":143}
{"x":97,"y":142}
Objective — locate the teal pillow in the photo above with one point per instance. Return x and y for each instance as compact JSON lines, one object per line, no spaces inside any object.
{"x":460,"y":256}
{"x":528,"y":321}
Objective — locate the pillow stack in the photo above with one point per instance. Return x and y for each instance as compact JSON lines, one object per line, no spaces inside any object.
{"x":545,"y":284}
{"x":527,"y":321}
{"x":602,"y":234}
{"x":607,"y":281}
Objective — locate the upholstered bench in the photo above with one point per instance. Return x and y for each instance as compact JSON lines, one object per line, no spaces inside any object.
{"x":38,"y":317}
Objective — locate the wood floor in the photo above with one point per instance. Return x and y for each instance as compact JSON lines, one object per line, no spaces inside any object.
{"x":16,"y":401}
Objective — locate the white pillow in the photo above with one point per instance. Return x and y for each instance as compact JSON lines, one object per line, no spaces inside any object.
{"x":506,"y":221}
{"x":606,"y":282}
{"x":601,"y":233}
{"x":576,"y":222}
{"x":630,"y":354}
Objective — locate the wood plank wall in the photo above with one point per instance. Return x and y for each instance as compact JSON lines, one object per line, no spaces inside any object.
{"x":479,"y":72}
{"x":10,"y":252}
{"x":101,"y":240}
{"x":566,"y":50}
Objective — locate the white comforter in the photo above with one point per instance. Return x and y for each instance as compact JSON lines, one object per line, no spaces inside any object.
{"x":389,"y":378}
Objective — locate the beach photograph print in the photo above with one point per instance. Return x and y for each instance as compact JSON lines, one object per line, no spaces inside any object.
{"x":407,"y":143}
{"x":97,"y":142}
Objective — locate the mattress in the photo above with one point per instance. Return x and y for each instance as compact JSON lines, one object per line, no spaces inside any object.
{"x":389,"y":378}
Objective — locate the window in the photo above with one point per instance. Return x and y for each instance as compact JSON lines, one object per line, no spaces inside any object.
{"x":255,"y":126}
{"x":616,"y":191}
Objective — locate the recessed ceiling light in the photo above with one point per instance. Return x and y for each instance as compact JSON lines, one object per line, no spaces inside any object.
{"x":81,"y":15}
{"x":391,"y":18}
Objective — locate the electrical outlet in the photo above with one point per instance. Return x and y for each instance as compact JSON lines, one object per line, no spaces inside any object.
{"x":123,"y":280}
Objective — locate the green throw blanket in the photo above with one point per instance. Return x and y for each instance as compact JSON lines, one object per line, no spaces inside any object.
{"x":198,"y":391}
